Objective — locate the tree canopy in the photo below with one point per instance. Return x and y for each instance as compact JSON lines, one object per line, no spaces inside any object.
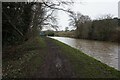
{"x":23,"y":20}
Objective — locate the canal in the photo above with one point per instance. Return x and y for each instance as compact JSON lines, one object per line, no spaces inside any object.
{"x":106,"y":52}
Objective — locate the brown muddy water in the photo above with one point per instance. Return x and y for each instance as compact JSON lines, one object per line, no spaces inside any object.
{"x":106,"y":52}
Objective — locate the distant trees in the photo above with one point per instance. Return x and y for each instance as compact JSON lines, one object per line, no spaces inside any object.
{"x":81,"y":22}
{"x":49,"y":33}
{"x":105,"y":28}
{"x":107,"y":16}
{"x":66,"y":29}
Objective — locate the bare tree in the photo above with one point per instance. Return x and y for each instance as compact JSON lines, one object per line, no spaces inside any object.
{"x":106,"y":16}
{"x":77,"y":20}
{"x":66,"y":28}
{"x":43,"y":15}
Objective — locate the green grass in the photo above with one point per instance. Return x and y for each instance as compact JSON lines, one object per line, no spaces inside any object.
{"x":28,"y":60}
{"x":86,"y":66}
{"x":30,"y":56}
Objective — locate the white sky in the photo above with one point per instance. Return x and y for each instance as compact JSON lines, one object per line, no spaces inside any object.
{"x":92,"y":8}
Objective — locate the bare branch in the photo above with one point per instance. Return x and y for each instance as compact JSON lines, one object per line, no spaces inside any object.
{"x":12,"y":24}
{"x":56,"y":8}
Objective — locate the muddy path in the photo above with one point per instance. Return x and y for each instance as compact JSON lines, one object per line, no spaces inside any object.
{"x":56,"y":64}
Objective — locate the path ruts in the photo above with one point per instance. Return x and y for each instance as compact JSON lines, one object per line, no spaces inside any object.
{"x":55,"y":65}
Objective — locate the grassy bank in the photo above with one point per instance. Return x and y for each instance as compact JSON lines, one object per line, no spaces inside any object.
{"x":86,"y":66}
{"x":65,"y":34}
{"x":29,"y":57}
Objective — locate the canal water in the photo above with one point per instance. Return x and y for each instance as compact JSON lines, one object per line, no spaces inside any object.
{"x":106,"y":52}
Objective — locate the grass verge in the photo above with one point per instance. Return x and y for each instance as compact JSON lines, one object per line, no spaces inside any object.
{"x":29,"y":57}
{"x":86,"y":66}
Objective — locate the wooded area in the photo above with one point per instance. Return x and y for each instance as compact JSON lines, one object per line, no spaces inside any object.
{"x":24,"y":20}
{"x":16,"y":22}
{"x":105,"y":28}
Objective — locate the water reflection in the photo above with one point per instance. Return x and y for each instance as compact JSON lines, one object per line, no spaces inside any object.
{"x":106,"y":52}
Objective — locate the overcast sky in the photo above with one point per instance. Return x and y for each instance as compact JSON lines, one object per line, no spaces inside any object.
{"x":92,"y":8}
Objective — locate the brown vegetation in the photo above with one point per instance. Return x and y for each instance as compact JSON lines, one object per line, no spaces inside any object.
{"x":105,"y":29}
